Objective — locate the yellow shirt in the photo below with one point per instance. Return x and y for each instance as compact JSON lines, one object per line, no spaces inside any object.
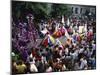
{"x":21,"y":68}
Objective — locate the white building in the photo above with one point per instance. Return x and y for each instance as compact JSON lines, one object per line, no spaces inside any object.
{"x":82,"y":9}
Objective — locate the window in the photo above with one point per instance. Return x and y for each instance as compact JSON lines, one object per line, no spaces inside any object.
{"x":72,"y":9}
{"x":76,"y":10}
{"x":81,"y":11}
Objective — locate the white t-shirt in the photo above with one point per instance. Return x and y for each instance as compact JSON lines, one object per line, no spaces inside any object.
{"x":81,"y":50}
{"x":74,"y":55}
{"x":64,"y":68}
{"x":49,"y":69}
{"x":83,"y":63}
{"x":33,"y":67}
{"x":66,"y":51}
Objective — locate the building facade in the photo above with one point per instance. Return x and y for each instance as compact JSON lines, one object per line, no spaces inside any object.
{"x":80,"y":9}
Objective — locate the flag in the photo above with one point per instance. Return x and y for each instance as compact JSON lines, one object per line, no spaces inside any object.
{"x":45,"y":41}
{"x":52,"y":39}
{"x":48,"y":40}
{"x":58,"y":42}
{"x":66,"y":32}
{"x":68,"y":22}
{"x":63,"y":20}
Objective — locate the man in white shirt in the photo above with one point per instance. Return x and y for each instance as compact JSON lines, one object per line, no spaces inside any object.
{"x":33,"y":67}
{"x":83,"y":64}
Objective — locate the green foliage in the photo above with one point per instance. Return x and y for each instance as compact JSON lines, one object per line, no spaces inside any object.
{"x":60,"y":9}
{"x":39,"y":10}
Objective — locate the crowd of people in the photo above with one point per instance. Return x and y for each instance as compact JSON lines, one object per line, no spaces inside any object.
{"x":54,"y":45}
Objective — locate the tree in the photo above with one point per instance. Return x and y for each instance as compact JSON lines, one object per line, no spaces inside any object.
{"x":39,"y":10}
{"x":60,"y":9}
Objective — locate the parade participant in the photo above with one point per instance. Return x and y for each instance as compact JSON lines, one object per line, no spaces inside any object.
{"x":32,"y":29}
{"x":83,"y":64}
{"x":63,"y":47}
{"x":33,"y":67}
{"x":21,"y":67}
